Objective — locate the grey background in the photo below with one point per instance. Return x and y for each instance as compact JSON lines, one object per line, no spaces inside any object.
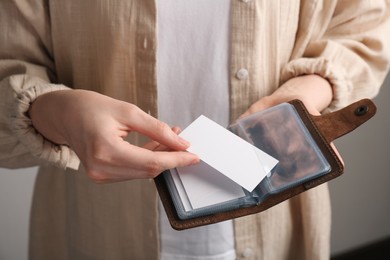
{"x":360,"y":197}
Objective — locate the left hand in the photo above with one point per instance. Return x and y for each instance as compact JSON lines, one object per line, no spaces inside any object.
{"x":314,"y":91}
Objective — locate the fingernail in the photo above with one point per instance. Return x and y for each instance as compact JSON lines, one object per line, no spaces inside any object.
{"x":195,"y":161}
{"x":183,"y":141}
{"x":176,"y":129}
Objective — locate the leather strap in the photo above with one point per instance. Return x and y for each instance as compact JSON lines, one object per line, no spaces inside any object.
{"x":343,"y":121}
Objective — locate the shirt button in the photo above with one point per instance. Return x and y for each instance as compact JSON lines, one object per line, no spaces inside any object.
{"x":242,"y":74}
{"x":145,"y":43}
{"x":246,"y":1}
{"x":247,"y":252}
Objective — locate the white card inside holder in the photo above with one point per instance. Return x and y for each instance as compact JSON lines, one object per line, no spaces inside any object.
{"x":278,"y":131}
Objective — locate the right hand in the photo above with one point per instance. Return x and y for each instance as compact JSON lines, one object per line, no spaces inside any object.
{"x":94,"y":125}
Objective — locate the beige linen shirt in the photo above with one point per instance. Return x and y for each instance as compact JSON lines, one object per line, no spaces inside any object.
{"x":110,"y":47}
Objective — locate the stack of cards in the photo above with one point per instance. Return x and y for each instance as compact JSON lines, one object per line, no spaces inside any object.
{"x":228,"y":164}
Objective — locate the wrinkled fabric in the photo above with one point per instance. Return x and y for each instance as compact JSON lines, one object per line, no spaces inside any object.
{"x":110,"y":47}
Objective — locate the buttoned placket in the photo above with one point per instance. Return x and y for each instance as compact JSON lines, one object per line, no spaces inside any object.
{"x":243,"y":12}
{"x":241,"y":64}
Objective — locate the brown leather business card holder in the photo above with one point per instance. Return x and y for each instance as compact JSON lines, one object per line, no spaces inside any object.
{"x":302,"y":144}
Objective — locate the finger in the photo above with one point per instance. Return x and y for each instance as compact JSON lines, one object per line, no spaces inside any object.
{"x":155,"y":129}
{"x":104,"y":173}
{"x":151,"y":145}
{"x":135,"y":163}
{"x":256,"y":107}
{"x":155,"y":146}
{"x":161,"y":147}
{"x":337,"y":153}
{"x":109,"y":174}
{"x":137,"y":158}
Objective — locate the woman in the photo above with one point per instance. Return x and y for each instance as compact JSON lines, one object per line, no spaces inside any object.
{"x":172,"y":61}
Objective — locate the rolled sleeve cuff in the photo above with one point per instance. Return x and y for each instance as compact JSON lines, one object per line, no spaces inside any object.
{"x":60,"y":155}
{"x":341,"y":86}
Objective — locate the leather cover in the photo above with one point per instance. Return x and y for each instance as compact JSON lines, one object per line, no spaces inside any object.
{"x":324,"y":129}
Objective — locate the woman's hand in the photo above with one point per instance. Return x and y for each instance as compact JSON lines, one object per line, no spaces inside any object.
{"x":94,"y":126}
{"x":314,"y":91}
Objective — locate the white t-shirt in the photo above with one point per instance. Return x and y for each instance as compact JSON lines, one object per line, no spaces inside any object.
{"x":192,"y":77}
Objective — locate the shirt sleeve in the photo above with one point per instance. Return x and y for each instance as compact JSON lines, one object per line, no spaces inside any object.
{"x":26,"y":71}
{"x":348,"y":44}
